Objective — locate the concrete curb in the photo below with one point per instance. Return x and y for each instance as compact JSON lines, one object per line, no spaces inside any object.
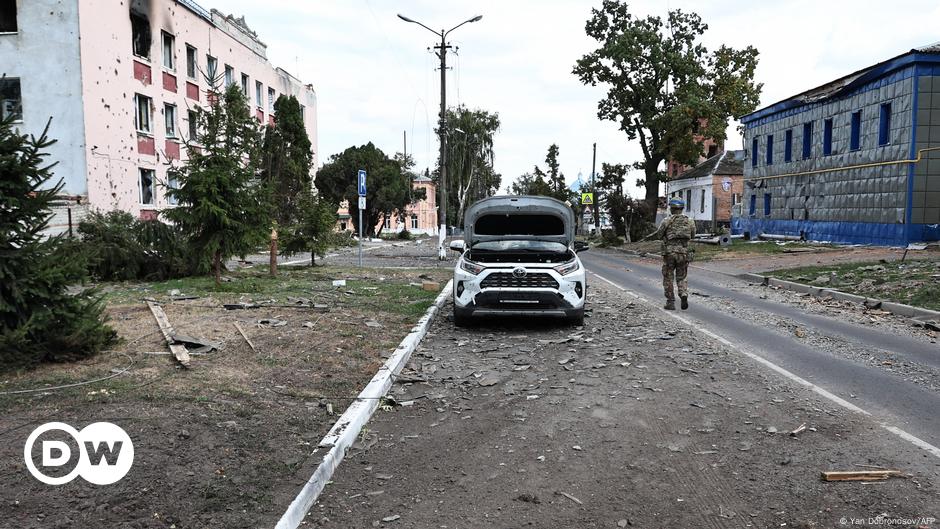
{"x":899,"y":309}
{"x":343,"y":434}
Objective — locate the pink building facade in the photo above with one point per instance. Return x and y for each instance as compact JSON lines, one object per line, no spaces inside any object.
{"x":420,"y":218}
{"x":120,"y":81}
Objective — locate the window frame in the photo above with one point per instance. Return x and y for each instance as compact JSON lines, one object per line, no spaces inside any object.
{"x":16,"y":21}
{"x":828,"y":126}
{"x":140,"y":186}
{"x":788,"y":146}
{"x":884,"y":124}
{"x":164,"y":35}
{"x":246,"y":83}
{"x":192,"y":62}
{"x":752,"y":206}
{"x":138,"y":100}
{"x":272,"y":96}
{"x":703,"y":202}
{"x":769,"y":155}
{"x":169,"y":108}
{"x":259,"y":95}
{"x":228,"y":75}
{"x":767,"y":208}
{"x":807,"y":140}
{"x":171,"y":183}
{"x":192,"y":120}
{"x":414,"y":221}
{"x":754,"y":151}
{"x":212,"y":68}
{"x":855,"y":132}
{"x":19,"y":89}
{"x":141,"y":18}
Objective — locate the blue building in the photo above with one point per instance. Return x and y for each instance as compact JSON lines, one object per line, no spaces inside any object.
{"x":856,"y":160}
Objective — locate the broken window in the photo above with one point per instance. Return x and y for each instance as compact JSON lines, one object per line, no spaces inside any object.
{"x":212,"y":67}
{"x":766,"y":204}
{"x":884,"y":124}
{"x":259,"y":88}
{"x":193,"y":125}
{"x":703,"y":202}
{"x":8,"y":16}
{"x":140,"y":35}
{"x":271,"y":100}
{"x":229,"y":76}
{"x":11,"y":100}
{"x":245,"y":85}
{"x":169,"y":51}
{"x":169,"y":114}
{"x":172,"y":183}
{"x":146,"y":186}
{"x":531,"y":224}
{"x":191,"y":62}
{"x":142,"y":114}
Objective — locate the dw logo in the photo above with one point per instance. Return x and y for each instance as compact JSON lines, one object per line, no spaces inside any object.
{"x":105,"y":453}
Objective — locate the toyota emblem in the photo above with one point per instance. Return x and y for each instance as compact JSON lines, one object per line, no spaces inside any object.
{"x":518,"y":273}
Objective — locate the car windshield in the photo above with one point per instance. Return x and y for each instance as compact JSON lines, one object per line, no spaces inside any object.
{"x":520,"y":246}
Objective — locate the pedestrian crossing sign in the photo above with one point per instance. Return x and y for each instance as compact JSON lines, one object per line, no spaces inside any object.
{"x":587,"y":198}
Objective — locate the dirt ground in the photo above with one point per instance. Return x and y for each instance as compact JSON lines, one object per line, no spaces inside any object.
{"x":228,"y":442}
{"x":632,"y":421}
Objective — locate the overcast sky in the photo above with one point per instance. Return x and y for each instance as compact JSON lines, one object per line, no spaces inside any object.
{"x":374,"y":77}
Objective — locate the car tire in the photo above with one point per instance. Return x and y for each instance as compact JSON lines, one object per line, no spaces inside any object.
{"x":577,"y":318}
{"x":461,"y":319}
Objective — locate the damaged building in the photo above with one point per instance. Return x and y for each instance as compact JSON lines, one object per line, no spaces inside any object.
{"x":121,"y":82}
{"x":856,"y":160}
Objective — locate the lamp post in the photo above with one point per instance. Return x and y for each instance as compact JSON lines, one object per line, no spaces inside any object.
{"x":442,"y":55}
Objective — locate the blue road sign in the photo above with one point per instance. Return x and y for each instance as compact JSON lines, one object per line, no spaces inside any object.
{"x":362,"y":182}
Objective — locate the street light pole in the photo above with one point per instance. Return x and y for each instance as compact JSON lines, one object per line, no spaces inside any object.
{"x":442,"y":133}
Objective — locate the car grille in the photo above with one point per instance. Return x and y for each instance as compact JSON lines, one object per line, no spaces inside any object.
{"x":507,"y":280}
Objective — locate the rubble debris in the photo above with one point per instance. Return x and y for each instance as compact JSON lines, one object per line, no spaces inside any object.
{"x":431,"y":286}
{"x":339,"y":282}
{"x":204,"y":346}
{"x":799,"y":429}
{"x":570,"y":497}
{"x":273,"y":322}
{"x":373,"y":324}
{"x":859,"y":475}
{"x":528,"y":498}
{"x":245,"y":336}
{"x":391,"y":518}
{"x":179,"y":350}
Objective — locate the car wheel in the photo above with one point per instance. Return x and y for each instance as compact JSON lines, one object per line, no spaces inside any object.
{"x":460,"y":318}
{"x":576,"y":319}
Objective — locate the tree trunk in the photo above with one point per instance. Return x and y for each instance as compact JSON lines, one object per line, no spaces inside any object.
{"x":652,"y":188}
{"x":313,"y":258}
{"x":217,"y":267}
{"x":273,"y":257}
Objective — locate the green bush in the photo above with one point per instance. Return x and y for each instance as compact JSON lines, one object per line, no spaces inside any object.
{"x":404,"y":235}
{"x":120,"y":247}
{"x":40,"y":319}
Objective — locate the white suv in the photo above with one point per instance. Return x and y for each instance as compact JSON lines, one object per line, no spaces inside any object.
{"x":518,"y":258}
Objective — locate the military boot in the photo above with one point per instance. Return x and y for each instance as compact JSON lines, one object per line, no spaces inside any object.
{"x":684,"y":302}
{"x":670,"y":304}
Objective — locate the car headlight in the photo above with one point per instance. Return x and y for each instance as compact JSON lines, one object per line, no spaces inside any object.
{"x":567,"y":268}
{"x":470,"y":266}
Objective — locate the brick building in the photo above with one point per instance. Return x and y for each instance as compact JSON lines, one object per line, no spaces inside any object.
{"x":120,"y":81}
{"x":710,"y":148}
{"x":856,"y":160}
{"x":710,"y":189}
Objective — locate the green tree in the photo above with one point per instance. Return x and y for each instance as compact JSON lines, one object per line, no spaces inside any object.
{"x":287,"y":160}
{"x":389,"y":189}
{"x":470,"y":153}
{"x":665,"y":89}
{"x":39,"y":320}
{"x":531,"y":184}
{"x":222,"y":203}
{"x":556,"y":179}
{"x":312,"y":227}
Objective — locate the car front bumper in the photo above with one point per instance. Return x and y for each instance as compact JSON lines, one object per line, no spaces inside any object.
{"x":471,"y":297}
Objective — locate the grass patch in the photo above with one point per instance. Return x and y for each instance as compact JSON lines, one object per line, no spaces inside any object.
{"x":913,"y":283}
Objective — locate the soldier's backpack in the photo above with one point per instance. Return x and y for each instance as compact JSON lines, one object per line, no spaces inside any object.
{"x":678,"y":229}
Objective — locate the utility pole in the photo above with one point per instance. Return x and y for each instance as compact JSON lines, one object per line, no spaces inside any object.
{"x":442,"y":132}
{"x":597,"y":200}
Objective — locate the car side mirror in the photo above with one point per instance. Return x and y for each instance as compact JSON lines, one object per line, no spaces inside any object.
{"x":581,"y":246}
{"x":457,"y":246}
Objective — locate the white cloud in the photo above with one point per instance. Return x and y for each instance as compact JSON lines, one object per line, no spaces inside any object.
{"x":374,"y":77}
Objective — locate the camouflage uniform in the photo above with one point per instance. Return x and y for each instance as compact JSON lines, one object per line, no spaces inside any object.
{"x":675,"y":232}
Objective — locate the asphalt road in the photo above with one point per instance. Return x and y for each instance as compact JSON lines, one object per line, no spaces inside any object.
{"x":889,"y":397}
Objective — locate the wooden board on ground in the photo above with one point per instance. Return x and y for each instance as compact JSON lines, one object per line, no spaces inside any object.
{"x":860,"y":475}
{"x":179,"y":350}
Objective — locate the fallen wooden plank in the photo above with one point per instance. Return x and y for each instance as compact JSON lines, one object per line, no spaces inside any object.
{"x":179,"y":350}
{"x":860,"y":475}
{"x":245,"y":336}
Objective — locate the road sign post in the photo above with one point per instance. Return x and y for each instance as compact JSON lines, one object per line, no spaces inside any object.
{"x":362,"y":206}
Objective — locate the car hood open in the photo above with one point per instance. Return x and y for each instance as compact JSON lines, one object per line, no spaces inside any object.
{"x":533,"y":218}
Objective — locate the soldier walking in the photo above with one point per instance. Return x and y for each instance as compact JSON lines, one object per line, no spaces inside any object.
{"x":675,"y":231}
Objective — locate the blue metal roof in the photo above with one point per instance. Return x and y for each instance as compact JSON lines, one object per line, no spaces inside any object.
{"x":846,"y":85}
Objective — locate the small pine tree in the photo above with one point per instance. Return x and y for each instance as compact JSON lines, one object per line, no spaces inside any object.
{"x":222,"y":203}
{"x":312,"y":228}
{"x":39,"y":320}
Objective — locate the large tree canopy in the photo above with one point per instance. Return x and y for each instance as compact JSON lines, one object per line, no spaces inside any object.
{"x":665,"y":89}
{"x":287,"y":159}
{"x":389,"y":184}
{"x":470,"y":173}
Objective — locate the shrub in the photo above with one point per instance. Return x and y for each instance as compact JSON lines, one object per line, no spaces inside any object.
{"x":404,"y":235}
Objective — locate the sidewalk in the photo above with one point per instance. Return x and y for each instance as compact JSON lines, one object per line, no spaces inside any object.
{"x":636,"y":421}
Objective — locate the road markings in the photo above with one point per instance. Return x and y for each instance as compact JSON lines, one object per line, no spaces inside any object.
{"x":916,"y":441}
